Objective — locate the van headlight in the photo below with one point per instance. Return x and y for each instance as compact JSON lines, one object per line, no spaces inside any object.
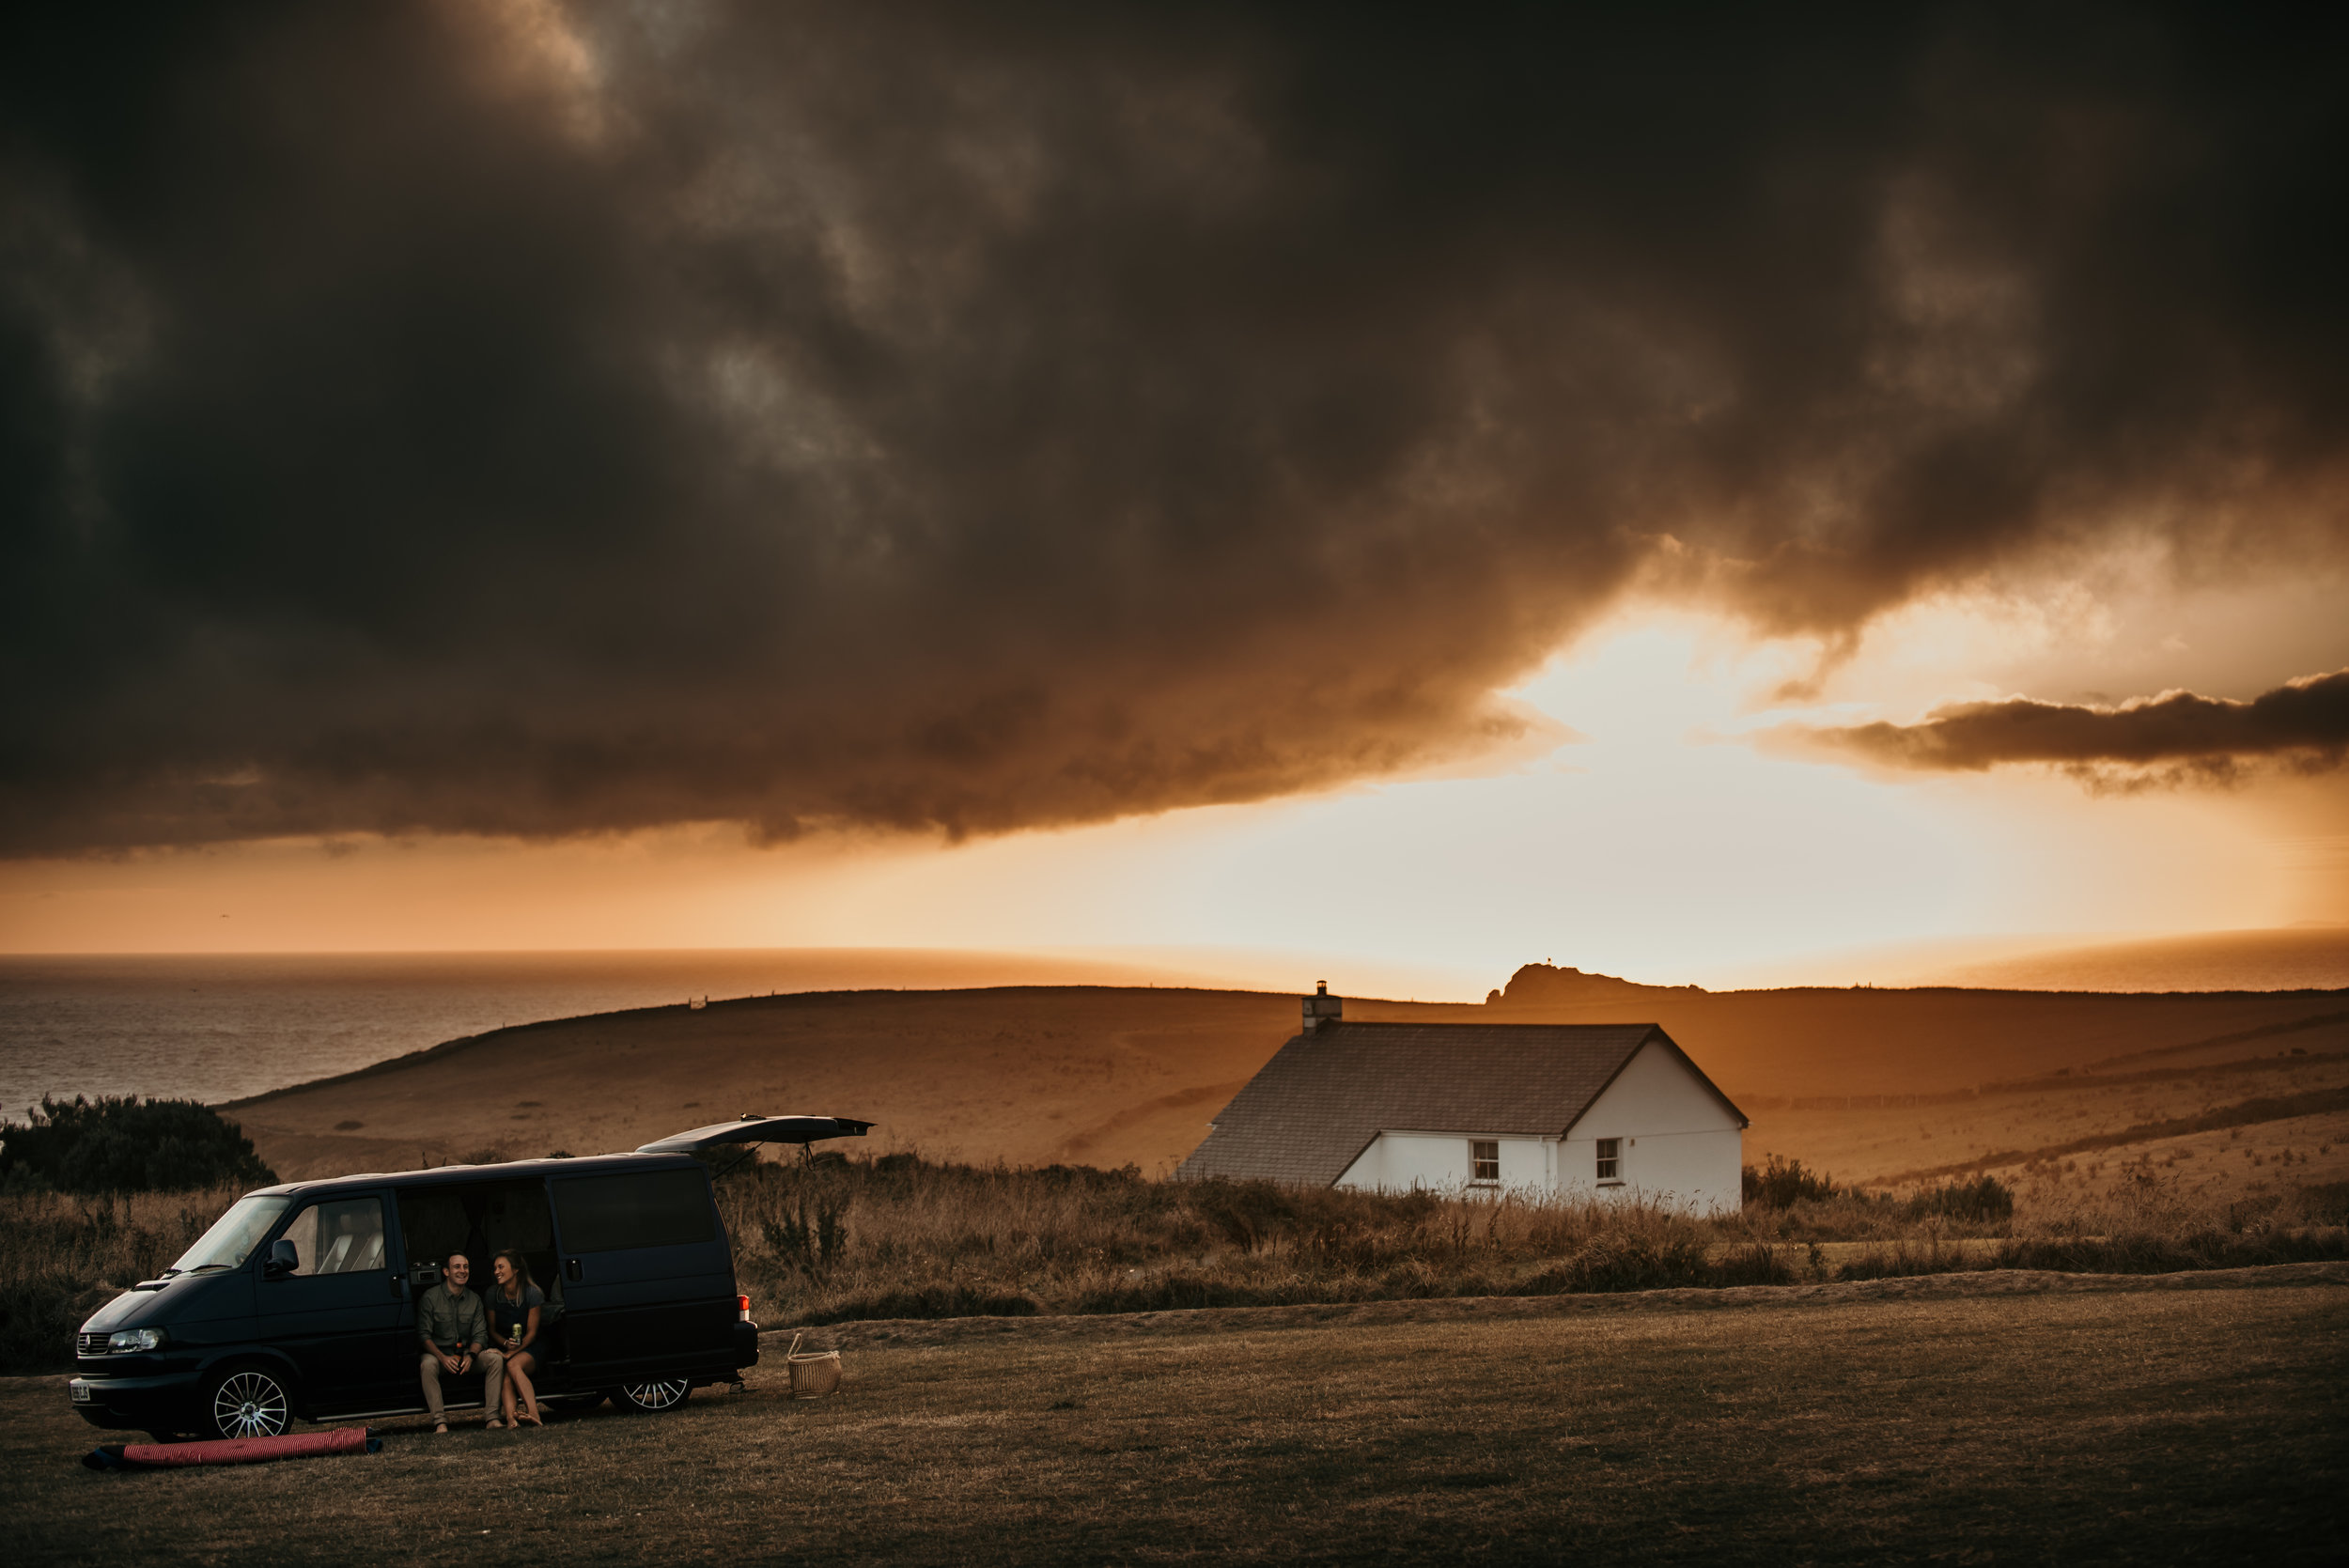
{"x":134,"y":1338}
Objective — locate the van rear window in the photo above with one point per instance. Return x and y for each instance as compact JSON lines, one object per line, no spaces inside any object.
{"x":636,"y":1208}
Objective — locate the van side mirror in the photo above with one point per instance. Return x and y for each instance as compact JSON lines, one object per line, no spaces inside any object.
{"x":282,"y":1260}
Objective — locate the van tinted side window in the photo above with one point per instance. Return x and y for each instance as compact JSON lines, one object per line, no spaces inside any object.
{"x":636,"y":1208}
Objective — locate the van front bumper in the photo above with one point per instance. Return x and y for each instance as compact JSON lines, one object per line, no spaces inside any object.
{"x":135,"y":1404}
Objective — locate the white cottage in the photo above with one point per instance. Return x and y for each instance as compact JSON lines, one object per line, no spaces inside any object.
{"x":1573,"y":1110}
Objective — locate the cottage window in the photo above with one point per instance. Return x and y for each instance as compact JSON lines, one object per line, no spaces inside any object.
{"x":1611,"y":1159}
{"x":1484,"y":1162}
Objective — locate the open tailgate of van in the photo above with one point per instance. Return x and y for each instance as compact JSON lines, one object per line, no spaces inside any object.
{"x":757,"y":1129}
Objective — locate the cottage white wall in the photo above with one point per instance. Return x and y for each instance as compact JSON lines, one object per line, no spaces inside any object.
{"x":1369,"y":1170}
{"x":1679,"y":1146}
{"x":1400,"y":1161}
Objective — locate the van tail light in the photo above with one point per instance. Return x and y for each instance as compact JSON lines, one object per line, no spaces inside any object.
{"x":742,"y":1305}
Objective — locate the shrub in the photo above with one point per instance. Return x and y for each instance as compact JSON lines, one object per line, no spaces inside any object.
{"x":812,"y":1232}
{"x":1783,"y":1183}
{"x":2326,"y":1202}
{"x":1614,"y":1260}
{"x":1982,"y":1201}
{"x":1248,"y":1212}
{"x":2152,"y":1252}
{"x":127,"y":1144}
{"x":1904,"y":1260}
{"x":2252,"y":1213}
{"x":1753,"y":1265}
{"x":1645,"y":1260}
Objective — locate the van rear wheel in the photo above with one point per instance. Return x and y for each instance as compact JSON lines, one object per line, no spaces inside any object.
{"x":248,"y":1402}
{"x":665,"y":1394}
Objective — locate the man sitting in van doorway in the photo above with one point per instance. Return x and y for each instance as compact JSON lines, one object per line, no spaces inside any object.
{"x":455,"y":1330}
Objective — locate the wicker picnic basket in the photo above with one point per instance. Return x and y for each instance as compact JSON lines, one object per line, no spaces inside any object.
{"x":814,"y":1372}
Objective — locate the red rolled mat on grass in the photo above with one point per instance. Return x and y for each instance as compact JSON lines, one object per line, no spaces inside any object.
{"x":231,"y":1451}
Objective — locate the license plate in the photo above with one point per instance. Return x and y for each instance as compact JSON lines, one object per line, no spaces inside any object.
{"x":80,"y":1394}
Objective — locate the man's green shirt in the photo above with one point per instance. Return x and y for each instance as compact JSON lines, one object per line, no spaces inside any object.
{"x":451,"y":1320}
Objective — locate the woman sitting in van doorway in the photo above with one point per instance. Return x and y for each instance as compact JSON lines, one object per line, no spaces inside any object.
{"x":515,"y":1305}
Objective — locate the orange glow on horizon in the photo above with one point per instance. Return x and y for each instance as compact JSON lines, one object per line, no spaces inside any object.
{"x":1659,"y":846}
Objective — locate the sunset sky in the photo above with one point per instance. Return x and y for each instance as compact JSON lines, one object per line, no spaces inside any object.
{"x":1671,"y":495}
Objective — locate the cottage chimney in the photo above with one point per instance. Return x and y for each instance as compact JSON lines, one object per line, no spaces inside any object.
{"x":1321,"y":1007}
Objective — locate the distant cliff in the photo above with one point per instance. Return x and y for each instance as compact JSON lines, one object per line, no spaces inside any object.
{"x":1544,"y":984}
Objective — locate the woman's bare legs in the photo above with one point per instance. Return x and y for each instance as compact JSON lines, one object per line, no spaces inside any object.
{"x":518,"y":1371}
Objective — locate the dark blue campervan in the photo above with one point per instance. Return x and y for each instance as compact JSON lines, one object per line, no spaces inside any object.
{"x":301,"y":1300}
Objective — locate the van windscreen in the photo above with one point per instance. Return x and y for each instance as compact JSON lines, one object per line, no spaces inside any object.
{"x":636,"y":1208}
{"x":231,"y":1240}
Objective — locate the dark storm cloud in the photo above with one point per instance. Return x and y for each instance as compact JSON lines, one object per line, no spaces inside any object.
{"x":2176,"y":737}
{"x":987,"y":417}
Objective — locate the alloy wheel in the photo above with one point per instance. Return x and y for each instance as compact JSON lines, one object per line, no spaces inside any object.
{"x":249,"y":1404}
{"x":665,"y":1395}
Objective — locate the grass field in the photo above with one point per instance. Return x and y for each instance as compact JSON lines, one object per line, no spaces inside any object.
{"x":2155,"y":1425}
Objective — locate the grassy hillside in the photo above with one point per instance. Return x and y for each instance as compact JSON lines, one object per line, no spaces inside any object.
{"x":1863,"y":1041}
{"x":1869,"y":1083}
{"x":1029,"y":1074}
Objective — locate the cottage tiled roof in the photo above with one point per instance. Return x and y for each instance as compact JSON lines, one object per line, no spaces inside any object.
{"x":1324,"y":1095}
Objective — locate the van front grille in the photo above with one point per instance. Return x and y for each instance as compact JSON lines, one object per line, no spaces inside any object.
{"x":89,"y":1345}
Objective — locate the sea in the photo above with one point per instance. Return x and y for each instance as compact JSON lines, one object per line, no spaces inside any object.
{"x":220,"y":1027}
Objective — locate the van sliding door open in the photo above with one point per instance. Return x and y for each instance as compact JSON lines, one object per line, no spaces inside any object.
{"x":480,"y":1220}
{"x":646,"y":1275}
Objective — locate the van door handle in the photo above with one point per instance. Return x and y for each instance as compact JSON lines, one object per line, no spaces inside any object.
{"x":395,"y":1285}
{"x":572,"y":1270}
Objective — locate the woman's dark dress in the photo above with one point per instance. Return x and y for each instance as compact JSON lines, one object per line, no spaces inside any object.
{"x":505,"y":1311}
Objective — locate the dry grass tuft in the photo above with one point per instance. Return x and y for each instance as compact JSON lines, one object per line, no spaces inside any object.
{"x":62,"y":1257}
{"x":903,"y":1237}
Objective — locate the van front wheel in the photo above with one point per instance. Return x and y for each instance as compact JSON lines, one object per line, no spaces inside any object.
{"x":248,"y":1402}
{"x":666,"y":1394}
